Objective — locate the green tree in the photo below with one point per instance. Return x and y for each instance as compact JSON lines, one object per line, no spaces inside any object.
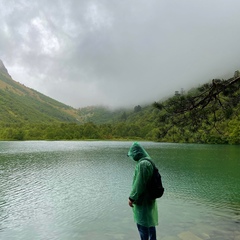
{"x":205,"y":109}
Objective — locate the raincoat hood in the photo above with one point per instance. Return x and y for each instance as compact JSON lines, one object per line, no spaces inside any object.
{"x":136,"y":152}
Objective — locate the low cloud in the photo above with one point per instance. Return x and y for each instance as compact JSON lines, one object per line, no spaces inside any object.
{"x":118,"y":53}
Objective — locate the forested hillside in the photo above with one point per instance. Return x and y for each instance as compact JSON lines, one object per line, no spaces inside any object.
{"x":207,"y":114}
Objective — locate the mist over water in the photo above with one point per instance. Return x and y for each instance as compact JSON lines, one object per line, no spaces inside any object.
{"x":79,"y":190}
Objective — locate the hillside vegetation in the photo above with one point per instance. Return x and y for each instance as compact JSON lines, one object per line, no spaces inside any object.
{"x":20,"y":104}
{"x":26,"y":114}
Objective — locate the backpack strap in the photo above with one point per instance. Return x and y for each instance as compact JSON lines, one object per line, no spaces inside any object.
{"x":153,"y":164}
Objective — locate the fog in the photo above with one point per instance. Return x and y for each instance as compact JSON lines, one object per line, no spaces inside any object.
{"x":118,"y":53}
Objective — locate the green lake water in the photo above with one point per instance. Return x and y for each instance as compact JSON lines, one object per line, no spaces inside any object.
{"x":79,"y":190}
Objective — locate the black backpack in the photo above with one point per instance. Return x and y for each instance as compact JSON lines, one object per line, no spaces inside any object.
{"x":155,"y":187}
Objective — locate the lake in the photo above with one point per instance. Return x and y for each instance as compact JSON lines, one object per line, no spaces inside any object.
{"x":67,"y":190}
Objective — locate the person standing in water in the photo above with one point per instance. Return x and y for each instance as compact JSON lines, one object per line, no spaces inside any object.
{"x":145,"y":210}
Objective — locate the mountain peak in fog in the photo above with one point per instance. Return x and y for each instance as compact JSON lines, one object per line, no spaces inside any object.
{"x":3,"y":68}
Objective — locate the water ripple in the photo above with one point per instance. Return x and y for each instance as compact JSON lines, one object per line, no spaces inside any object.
{"x":56,"y":190}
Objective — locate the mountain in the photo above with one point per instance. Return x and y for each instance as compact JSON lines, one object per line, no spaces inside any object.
{"x":20,"y":104}
{"x":3,"y":69}
{"x":101,"y":114}
{"x":26,"y":114}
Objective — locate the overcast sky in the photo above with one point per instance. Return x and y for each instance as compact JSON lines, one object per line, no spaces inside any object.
{"x":118,"y":52}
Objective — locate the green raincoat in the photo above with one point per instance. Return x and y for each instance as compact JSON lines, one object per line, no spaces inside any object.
{"x":144,"y":210}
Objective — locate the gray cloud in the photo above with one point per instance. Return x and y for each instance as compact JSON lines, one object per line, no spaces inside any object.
{"x":118,"y":53}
